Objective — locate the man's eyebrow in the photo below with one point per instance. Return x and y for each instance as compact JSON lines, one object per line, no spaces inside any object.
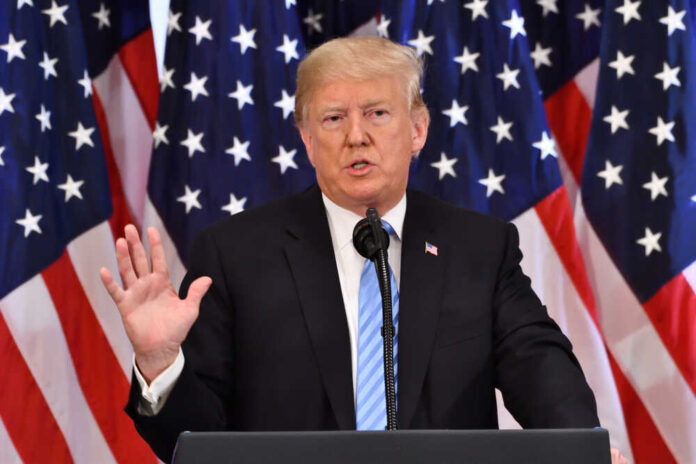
{"x":373,"y":103}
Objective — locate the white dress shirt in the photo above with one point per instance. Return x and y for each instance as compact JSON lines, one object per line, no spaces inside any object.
{"x":349,"y":264}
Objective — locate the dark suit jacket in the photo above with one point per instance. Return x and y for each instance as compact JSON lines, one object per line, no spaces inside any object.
{"x":270,"y":348}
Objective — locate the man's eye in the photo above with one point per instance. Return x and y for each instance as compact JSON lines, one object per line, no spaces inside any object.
{"x":379,"y":113}
{"x":334,"y":118}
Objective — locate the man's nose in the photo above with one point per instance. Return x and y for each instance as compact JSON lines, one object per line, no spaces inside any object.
{"x":357,"y":130}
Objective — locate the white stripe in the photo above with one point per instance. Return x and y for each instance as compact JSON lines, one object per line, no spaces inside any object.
{"x":129,"y":133}
{"x":34,"y":324}
{"x":690,"y":275}
{"x":174,"y":264}
{"x":8,"y":453}
{"x":586,"y":80}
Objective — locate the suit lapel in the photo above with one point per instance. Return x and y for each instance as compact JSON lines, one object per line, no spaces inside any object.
{"x":310,"y":256}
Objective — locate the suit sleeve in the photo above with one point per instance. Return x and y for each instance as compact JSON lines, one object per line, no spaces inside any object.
{"x":542,"y":383}
{"x":200,"y":399}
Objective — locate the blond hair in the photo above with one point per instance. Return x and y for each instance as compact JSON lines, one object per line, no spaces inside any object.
{"x":359,"y":58}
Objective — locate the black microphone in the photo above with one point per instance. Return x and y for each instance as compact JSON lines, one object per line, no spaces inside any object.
{"x":372,"y":242}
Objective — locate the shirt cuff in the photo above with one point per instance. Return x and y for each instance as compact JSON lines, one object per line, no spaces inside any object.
{"x":154,"y":396}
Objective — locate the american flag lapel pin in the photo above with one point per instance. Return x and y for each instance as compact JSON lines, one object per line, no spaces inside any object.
{"x":430,"y":248}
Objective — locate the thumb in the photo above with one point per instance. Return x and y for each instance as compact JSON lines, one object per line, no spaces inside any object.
{"x":197,"y":290}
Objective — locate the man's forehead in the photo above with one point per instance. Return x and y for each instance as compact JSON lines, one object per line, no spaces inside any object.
{"x":364,"y":92}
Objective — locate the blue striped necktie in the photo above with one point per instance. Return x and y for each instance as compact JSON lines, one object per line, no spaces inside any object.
{"x":370,"y":404}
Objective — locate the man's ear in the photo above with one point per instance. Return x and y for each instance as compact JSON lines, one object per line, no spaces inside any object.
{"x":307,"y":140}
{"x":419,"y":129}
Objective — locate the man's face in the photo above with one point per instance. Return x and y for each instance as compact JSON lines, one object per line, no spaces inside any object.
{"x":360,"y":137}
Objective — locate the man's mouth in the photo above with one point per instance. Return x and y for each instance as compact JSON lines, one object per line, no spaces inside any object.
{"x":359,"y":165}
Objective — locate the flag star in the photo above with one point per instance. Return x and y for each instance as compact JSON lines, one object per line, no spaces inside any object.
{"x":668,"y":76}
{"x":617,"y":119}
{"x":622,"y":64}
{"x":56,"y":13}
{"x":71,"y":188}
{"x":656,"y":186}
{"x":6,"y":101}
{"x":456,"y":114}
{"x":516,"y":25}
{"x":245,"y":38}
{"x":674,"y":20}
{"x":239,"y":150}
{"x":13,"y":48}
{"x":159,"y":135}
{"x":610,"y":174}
{"x":38,"y":170}
{"x":382,"y":30}
{"x":548,"y":6}
{"x":629,"y":11}
{"x":540,"y":56}
{"x":289,"y":3}
{"x":422,"y":43}
{"x":190,"y":199}
{"x":663,"y":131}
{"x":509,"y":77}
{"x":313,"y":22}
{"x":242,"y":95}
{"x":693,"y":198}
{"x":286,"y":103}
{"x":2,"y":162}
{"x":493,"y":183}
{"x":200,"y":30}
{"x":21,"y":3}
{"x":546,"y":145}
{"x":193,"y":142}
{"x":86,"y":83}
{"x":102,"y":16}
{"x":478,"y":8}
{"x":589,"y":17}
{"x":467,"y":60}
{"x":285,"y":159}
{"x":30,"y":223}
{"x":196,"y":86}
{"x":235,"y":205}
{"x":82,"y":136}
{"x":44,"y":118}
{"x":445,"y":166}
{"x":173,"y":22}
{"x":650,"y":241}
{"x":502,"y":130}
{"x":49,"y":66}
{"x":166,"y":79}
{"x":288,"y":49}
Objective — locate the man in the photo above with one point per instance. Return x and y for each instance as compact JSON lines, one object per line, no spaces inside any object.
{"x":272,"y":326}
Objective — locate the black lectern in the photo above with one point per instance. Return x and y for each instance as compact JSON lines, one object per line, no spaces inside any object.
{"x":569,"y":446}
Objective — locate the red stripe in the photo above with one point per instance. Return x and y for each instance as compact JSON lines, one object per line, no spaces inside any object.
{"x":98,"y":371}
{"x":672,"y":311}
{"x":24,"y":410}
{"x":139,"y":61}
{"x":570,"y":117}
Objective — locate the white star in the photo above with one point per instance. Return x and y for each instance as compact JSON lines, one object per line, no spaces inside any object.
{"x":674,"y":20}
{"x":2,"y":162}
{"x":549,"y":6}
{"x":509,"y":77}
{"x":193,"y":142}
{"x":190,"y":199}
{"x":102,"y":16}
{"x":166,"y":79}
{"x":467,"y":60}
{"x":663,"y":131}
{"x":38,"y":170}
{"x":456,"y":113}
{"x":651,"y":241}
{"x":313,"y":22}
{"x":159,"y":135}
{"x":235,"y":205}
{"x":610,"y":174}
{"x":286,"y":103}
{"x":445,"y":166}
{"x":49,"y":66}
{"x":516,"y":25}
{"x":502,"y":130}
{"x":617,"y":119}
{"x":540,"y":56}
{"x":382,"y":27}
{"x":288,"y":49}
{"x":21,"y":3}
{"x":196,"y":86}
{"x":6,"y":101}
{"x":589,"y":17}
{"x":13,"y":48}
{"x":478,"y":8}
{"x":173,"y":22}
{"x":656,"y":186}
{"x":493,"y":183}
{"x":668,"y":76}
{"x":546,"y":145}
{"x":288,"y":3}
{"x":629,"y":11}
{"x":693,"y":198}
{"x":44,"y":118}
{"x":86,"y":83}
{"x":245,"y":38}
{"x":30,"y":223}
{"x":200,"y":30}
{"x":72,"y":188}
{"x":285,"y":159}
{"x":82,"y":136}
{"x":622,"y":64}
{"x":57,"y":13}
{"x":242,"y":94}
{"x":422,"y":43}
{"x":239,"y":150}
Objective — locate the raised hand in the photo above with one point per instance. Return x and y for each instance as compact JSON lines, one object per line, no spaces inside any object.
{"x":155,"y":318}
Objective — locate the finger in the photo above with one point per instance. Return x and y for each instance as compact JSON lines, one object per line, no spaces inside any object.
{"x":114,"y":289}
{"x":159,"y":261}
{"x":125,"y":266}
{"x":137,"y":251}
{"x":197,"y":290}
